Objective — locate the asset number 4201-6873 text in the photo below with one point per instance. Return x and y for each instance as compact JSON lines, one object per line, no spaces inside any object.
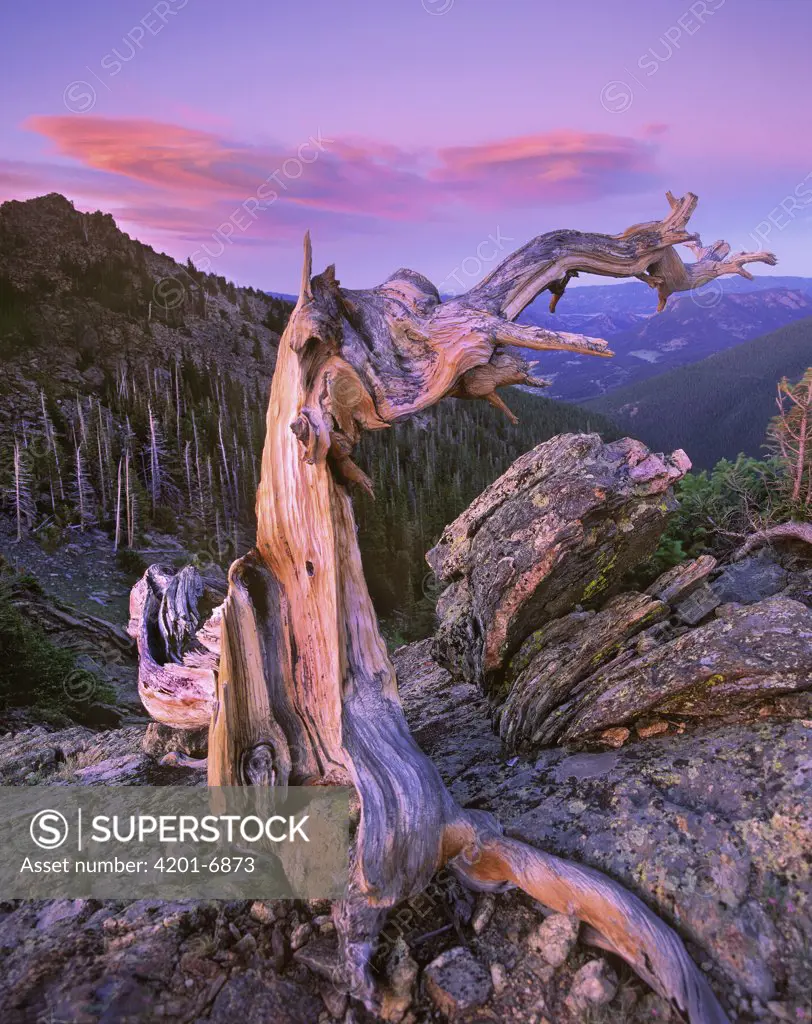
{"x":194,"y":865}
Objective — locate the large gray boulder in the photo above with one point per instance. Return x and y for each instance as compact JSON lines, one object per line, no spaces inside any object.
{"x":750,"y":580}
{"x":746,"y":655}
{"x":561,"y":527}
{"x":554,"y":660}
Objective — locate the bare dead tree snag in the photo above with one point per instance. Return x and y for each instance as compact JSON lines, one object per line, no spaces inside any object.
{"x":305,"y":692}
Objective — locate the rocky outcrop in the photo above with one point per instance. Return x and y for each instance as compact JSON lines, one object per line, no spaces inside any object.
{"x":160,"y":740}
{"x":115,"y":757}
{"x":555,"y":659}
{"x":678,"y":583}
{"x":750,"y":580}
{"x":689,"y":702}
{"x":687,"y":722}
{"x":32,"y":754}
{"x":559,"y":528}
{"x":607,"y":676}
{"x":536,"y":611}
{"x":82,"y":960}
{"x":709,"y":826}
{"x":747,"y":653}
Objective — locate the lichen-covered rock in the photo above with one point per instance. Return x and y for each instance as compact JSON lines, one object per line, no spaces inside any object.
{"x":799,"y":587}
{"x":456,"y":981}
{"x":254,"y":999}
{"x":445,"y":709}
{"x":750,"y":580}
{"x":553,"y":660}
{"x":127,"y":770}
{"x":30,"y":754}
{"x":712,"y":828}
{"x":594,"y":984}
{"x":161,"y":739}
{"x":114,"y":757}
{"x":149,"y":960}
{"x":559,"y":528}
{"x":555,"y":938}
{"x":746,"y":654}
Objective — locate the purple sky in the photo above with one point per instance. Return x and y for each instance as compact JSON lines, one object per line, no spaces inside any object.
{"x":434,"y":134}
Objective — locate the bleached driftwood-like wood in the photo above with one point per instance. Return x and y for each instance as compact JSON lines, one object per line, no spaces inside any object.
{"x":178,"y":652}
{"x":669,"y":274}
{"x":305,"y":692}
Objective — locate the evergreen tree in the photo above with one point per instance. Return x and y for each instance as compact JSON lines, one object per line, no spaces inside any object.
{"x":790,"y":437}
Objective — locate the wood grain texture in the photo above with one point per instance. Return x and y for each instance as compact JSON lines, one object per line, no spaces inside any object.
{"x":178,"y":652}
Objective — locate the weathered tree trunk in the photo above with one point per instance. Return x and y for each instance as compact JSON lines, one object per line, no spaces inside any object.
{"x":305,"y":691}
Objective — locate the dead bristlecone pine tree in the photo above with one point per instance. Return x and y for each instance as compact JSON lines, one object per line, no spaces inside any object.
{"x":293,"y":660}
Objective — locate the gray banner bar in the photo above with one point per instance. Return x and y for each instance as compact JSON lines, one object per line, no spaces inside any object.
{"x":166,"y":842}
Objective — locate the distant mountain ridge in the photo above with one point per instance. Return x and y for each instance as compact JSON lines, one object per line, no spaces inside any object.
{"x":635,"y":296}
{"x":692,"y":327}
{"x":717,"y":407}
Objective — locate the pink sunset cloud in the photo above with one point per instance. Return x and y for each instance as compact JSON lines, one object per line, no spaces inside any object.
{"x":187,"y":178}
{"x":557,"y":165}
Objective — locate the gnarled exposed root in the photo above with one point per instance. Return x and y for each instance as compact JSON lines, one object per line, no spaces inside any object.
{"x":783,"y":532}
{"x":617,"y":918}
{"x":177,"y":655}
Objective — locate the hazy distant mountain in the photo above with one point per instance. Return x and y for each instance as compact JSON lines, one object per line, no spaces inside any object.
{"x":717,"y":407}
{"x":692,"y":327}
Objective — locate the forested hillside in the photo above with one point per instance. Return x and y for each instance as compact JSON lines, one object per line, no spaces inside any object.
{"x":717,"y":407}
{"x":425,"y":472}
{"x":133,"y":389}
{"x":134,"y":393}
